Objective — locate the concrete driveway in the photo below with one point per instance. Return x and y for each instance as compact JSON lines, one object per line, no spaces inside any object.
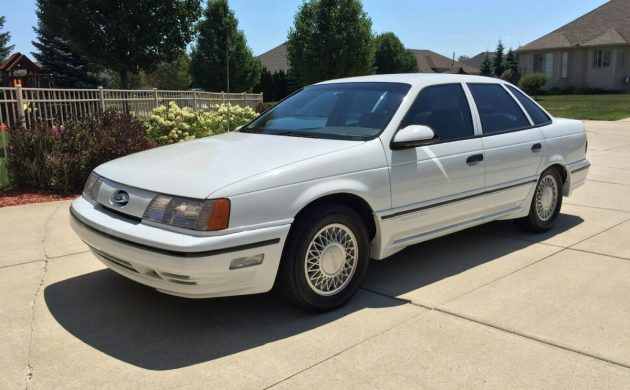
{"x":490,"y":307}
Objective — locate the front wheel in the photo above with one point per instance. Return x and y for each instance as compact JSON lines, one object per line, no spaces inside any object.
{"x":546,"y":203}
{"x":325,"y":258}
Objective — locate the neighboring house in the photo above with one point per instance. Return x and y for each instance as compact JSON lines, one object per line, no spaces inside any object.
{"x":432,"y":62}
{"x":477,"y":60}
{"x":428,"y":62}
{"x":592,"y":51}
{"x":19,"y":70}
{"x":275,"y":59}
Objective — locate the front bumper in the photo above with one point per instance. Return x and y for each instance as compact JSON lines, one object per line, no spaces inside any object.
{"x":176,"y":263}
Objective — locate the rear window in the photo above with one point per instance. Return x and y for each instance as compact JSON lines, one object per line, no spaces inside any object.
{"x":538,"y":116}
{"x":497,"y":109}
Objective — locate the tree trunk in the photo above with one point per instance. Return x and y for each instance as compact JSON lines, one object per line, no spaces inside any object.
{"x":124,"y":79}
{"x":124,"y":84}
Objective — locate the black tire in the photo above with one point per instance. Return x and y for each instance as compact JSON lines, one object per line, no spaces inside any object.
{"x":292,"y":281}
{"x":534,"y":222}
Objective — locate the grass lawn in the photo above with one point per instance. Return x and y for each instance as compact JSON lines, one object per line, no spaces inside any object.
{"x":595,"y":107}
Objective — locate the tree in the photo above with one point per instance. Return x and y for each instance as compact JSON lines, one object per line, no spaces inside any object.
{"x":173,"y":75}
{"x":499,"y":66}
{"x":5,"y":48}
{"x":330,"y":39}
{"x":56,"y":57}
{"x":274,"y":86}
{"x":125,"y":36}
{"x":511,"y":61}
{"x":463,"y":58}
{"x":219,"y":37}
{"x":486,"y":66}
{"x":391,"y":56}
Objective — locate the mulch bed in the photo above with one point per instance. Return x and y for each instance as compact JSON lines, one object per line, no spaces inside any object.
{"x":16,"y":197}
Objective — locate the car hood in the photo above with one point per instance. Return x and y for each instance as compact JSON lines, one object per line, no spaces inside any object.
{"x":197,"y":168}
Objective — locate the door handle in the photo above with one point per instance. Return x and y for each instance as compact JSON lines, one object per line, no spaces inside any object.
{"x":474,"y":159}
{"x":536,"y":147}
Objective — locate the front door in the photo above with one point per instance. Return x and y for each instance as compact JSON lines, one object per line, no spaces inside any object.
{"x":437,"y":186}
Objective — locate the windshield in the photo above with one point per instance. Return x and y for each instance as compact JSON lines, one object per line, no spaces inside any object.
{"x":341,"y":111}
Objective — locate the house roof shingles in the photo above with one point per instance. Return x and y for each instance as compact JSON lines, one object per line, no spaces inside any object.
{"x":432,"y":62}
{"x":428,"y":61}
{"x":275,"y":59}
{"x":607,"y":25}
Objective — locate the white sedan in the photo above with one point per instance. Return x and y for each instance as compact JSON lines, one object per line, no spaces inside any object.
{"x":336,"y":174}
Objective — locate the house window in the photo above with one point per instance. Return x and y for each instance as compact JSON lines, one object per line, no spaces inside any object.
{"x":601,"y":58}
{"x":538,"y":63}
{"x":565,"y":65}
{"x":549,"y":65}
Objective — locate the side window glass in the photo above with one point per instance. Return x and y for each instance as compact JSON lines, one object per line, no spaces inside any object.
{"x":445,"y":109}
{"x":538,"y":116}
{"x":497,"y":109}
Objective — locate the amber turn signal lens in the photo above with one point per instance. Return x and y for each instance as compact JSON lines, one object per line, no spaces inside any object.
{"x":220,"y":216}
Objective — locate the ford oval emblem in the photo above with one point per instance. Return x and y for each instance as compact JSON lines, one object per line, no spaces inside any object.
{"x":120,"y":198}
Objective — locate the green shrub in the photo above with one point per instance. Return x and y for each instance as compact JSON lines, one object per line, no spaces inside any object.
{"x":61,"y":157}
{"x":171,"y":124}
{"x":533,"y":82}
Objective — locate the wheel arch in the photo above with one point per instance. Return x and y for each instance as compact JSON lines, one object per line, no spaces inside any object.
{"x":564,"y":173}
{"x":348,"y":199}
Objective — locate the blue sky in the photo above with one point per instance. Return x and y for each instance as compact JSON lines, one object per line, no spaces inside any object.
{"x":464,"y":26}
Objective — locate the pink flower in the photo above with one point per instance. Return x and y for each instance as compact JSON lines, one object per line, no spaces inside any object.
{"x":57,"y":130}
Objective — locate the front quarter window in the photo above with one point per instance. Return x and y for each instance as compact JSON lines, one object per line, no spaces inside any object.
{"x":338,"y":111}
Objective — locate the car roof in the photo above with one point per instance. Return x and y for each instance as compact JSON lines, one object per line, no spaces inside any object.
{"x":416,"y":79}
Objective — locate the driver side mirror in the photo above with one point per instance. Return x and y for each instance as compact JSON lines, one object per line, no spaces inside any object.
{"x":413,"y":136}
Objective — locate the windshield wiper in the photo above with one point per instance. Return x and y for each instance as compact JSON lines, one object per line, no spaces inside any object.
{"x":297,"y":134}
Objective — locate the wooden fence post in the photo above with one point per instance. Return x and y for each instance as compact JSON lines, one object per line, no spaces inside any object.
{"x":20,"y":106}
{"x":101,"y":98}
{"x":245,"y":98}
{"x":195,"y":100}
{"x":156,"y":101}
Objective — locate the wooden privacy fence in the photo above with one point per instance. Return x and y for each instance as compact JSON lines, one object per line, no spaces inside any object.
{"x":28,"y":105}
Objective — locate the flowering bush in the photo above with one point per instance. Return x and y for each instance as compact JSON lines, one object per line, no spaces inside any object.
{"x":171,"y":124}
{"x":62,"y":157}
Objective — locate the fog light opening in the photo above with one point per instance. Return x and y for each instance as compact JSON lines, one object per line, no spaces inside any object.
{"x":248,"y":261}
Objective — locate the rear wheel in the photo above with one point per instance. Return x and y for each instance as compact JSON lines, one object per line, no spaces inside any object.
{"x":325,"y":258}
{"x":546,"y":203}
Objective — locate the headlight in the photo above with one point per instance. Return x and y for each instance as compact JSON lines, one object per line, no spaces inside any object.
{"x":92,"y":185}
{"x":210,"y":214}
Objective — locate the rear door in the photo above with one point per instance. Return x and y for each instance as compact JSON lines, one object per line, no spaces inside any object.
{"x":513,"y":146}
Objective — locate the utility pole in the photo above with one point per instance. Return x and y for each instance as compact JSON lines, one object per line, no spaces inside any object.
{"x":227,"y":71}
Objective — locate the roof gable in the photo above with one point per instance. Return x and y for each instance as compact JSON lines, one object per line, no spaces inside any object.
{"x":608,"y":24}
{"x":275,"y":59}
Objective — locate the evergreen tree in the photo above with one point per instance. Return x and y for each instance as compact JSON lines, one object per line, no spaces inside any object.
{"x":5,"y":48}
{"x":511,"y":61}
{"x":392,"y":57}
{"x":330,"y":39}
{"x":486,"y":66}
{"x":274,"y":86}
{"x":68,"y":68}
{"x":499,"y":65}
{"x":218,"y":39}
